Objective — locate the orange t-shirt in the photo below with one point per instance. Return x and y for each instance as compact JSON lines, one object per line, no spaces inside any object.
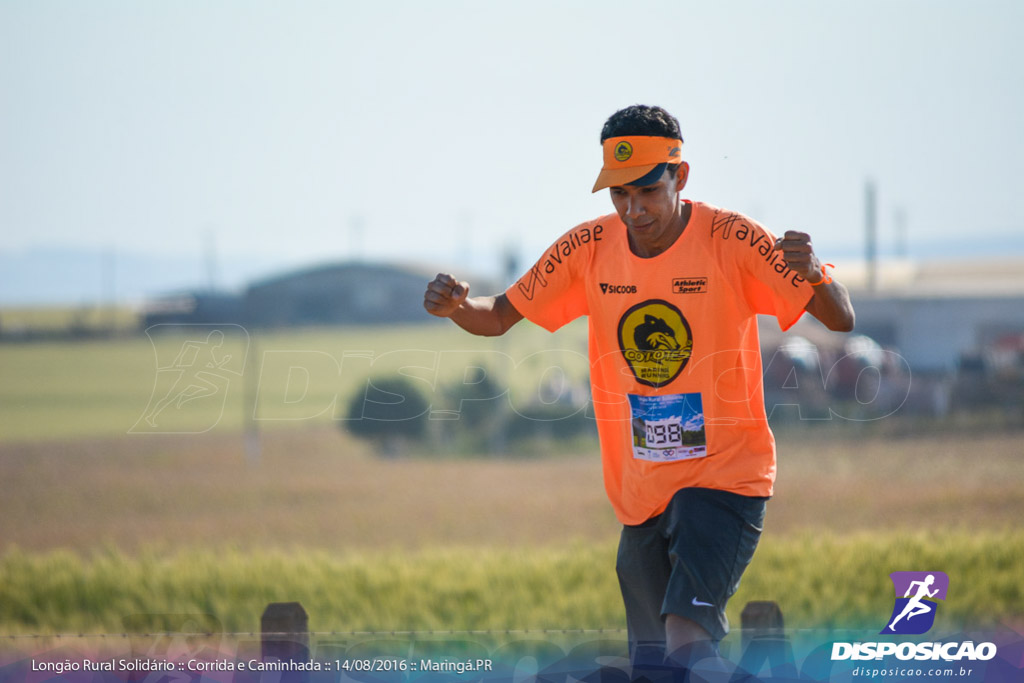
{"x":675,"y":363}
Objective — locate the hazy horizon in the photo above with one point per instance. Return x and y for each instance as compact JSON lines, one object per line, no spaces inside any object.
{"x":268,"y":137}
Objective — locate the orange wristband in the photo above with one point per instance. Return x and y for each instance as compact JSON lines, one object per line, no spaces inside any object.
{"x":825,"y":279}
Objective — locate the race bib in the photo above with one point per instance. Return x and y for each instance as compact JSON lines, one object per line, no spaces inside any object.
{"x":668,"y":428}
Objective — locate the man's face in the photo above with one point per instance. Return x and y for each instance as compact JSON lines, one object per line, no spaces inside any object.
{"x":650,"y":211}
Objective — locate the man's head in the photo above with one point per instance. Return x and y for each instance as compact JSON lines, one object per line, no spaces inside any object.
{"x":641,"y":119}
{"x":640,"y":144}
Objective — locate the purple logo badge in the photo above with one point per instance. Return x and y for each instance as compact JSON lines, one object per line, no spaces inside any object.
{"x":916,"y":593}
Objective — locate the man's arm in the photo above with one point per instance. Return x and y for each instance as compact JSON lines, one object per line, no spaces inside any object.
{"x":487,"y":316}
{"x":831,"y":301}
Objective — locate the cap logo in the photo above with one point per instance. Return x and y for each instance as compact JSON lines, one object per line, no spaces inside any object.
{"x":629,"y":157}
{"x":623,"y":151}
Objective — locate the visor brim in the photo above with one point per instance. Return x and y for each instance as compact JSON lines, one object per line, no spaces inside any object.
{"x":609,"y":177}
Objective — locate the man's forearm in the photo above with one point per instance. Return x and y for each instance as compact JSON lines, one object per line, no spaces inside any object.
{"x":832,"y":306}
{"x":487,"y":316}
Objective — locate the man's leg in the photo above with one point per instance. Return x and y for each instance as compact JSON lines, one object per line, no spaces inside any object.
{"x":689,"y":645}
{"x":680,"y":631}
{"x":712,"y":536}
{"x":643,"y":569}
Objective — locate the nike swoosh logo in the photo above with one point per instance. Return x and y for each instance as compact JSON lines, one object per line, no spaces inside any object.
{"x":697,"y":603}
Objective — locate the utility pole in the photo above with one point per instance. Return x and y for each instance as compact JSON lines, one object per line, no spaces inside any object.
{"x":900,"y":225}
{"x":211,"y":260}
{"x":871,"y":236}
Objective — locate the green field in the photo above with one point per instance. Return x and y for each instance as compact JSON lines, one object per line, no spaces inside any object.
{"x":99,"y":520}
{"x":63,"y":320}
{"x":105,"y":388}
{"x":818,"y":583}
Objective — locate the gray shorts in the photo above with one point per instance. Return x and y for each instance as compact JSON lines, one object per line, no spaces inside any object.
{"x":687,"y":561}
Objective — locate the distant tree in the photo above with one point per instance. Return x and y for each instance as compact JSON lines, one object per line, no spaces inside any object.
{"x":471,"y":417}
{"x":391,"y":412}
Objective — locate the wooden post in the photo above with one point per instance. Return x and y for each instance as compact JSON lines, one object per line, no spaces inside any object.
{"x":284,"y":636}
{"x":759,"y":619}
{"x":764,"y":639}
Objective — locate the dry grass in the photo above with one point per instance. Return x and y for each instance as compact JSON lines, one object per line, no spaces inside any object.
{"x":318,"y":488}
{"x":314,"y":488}
{"x":176,"y":524}
{"x":924,"y":482}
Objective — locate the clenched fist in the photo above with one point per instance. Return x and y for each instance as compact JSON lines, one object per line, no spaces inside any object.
{"x":444,"y":295}
{"x":798,"y":252}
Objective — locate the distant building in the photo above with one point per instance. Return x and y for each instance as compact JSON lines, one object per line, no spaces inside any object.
{"x":947,"y":335}
{"x":932,"y":314}
{"x":192,"y":308}
{"x":347,"y":293}
{"x":352,"y":293}
{"x":937,"y":313}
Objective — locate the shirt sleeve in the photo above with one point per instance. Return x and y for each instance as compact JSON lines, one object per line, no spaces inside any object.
{"x":552,"y":292}
{"x":769,"y":285}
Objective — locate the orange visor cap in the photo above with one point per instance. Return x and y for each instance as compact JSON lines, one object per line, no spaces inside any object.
{"x":631,"y":157}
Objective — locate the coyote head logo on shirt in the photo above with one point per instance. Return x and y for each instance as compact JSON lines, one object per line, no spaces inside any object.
{"x":653,"y":334}
{"x":656,"y":342}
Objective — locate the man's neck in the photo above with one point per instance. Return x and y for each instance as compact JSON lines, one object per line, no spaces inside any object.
{"x":664,"y":242}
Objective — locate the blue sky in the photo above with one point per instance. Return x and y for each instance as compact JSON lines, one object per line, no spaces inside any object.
{"x":445,"y":133}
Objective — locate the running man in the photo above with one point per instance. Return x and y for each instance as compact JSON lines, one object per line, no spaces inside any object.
{"x":195,"y":378}
{"x":915,"y":606}
{"x":672,"y":289}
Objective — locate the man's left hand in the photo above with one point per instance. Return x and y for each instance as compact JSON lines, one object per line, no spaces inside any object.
{"x":830,"y":302}
{"x":798,"y":252}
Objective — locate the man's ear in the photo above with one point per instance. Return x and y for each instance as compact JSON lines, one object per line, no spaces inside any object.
{"x":682,"y":175}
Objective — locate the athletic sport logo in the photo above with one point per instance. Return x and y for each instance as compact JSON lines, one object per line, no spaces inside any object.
{"x":689,"y":285}
{"x":623,"y":151}
{"x":656,"y":342}
{"x":916,"y":593}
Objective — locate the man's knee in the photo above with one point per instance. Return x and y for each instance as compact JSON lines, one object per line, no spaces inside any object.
{"x":627,"y":567}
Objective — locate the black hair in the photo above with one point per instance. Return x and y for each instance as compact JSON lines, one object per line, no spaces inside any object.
{"x":641,"y":119}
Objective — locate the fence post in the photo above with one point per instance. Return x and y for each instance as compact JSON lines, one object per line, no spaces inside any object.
{"x":764,"y":639}
{"x":760,"y":619}
{"x":284,"y":635}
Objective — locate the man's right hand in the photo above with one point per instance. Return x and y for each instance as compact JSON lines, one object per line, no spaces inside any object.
{"x":444,"y":295}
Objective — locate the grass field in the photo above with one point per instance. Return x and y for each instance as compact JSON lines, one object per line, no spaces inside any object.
{"x":97,"y":529}
{"x":320,"y":488}
{"x":818,"y":583}
{"x":62,"y":319}
{"x":98,"y":521}
{"x":105,"y":388}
